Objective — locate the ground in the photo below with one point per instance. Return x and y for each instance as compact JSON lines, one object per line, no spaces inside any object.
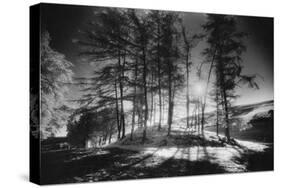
{"x":180,"y":154}
{"x":184,"y":152}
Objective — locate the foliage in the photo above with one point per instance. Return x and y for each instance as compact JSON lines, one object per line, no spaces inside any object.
{"x":224,"y":53}
{"x":91,"y":124}
{"x":55,"y":76}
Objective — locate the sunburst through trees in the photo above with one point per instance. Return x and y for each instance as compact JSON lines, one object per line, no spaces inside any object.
{"x":166,"y":88}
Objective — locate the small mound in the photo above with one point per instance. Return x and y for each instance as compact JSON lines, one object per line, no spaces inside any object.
{"x":196,"y":140}
{"x":155,"y":137}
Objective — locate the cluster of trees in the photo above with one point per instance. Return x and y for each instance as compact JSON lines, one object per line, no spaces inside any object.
{"x":55,"y":76}
{"x":225,"y":47}
{"x":140,"y":64}
{"x":143,"y":58}
{"x":93,"y":127}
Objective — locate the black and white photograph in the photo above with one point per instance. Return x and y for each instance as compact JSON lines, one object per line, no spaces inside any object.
{"x":126,"y":94}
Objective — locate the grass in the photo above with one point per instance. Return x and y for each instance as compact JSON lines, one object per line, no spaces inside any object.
{"x":182,"y":153}
{"x":117,"y":164}
{"x":189,"y":155}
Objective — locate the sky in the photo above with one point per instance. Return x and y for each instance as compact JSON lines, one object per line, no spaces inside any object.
{"x":64,"y":23}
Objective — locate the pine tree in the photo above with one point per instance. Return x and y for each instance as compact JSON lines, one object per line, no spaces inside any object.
{"x":105,"y":43}
{"x":224,"y":52}
{"x":171,"y":56}
{"x":189,"y":42}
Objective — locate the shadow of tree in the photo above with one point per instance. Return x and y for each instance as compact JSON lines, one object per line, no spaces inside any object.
{"x":55,"y":170}
{"x":120,"y":164}
{"x":182,"y":167}
{"x":257,"y":161}
{"x":69,"y":166}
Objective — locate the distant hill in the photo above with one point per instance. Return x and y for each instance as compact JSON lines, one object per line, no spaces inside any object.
{"x":249,"y":122}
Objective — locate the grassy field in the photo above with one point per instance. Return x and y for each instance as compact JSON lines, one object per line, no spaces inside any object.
{"x":177,"y":155}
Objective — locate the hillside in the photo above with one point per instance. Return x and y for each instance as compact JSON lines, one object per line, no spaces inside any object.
{"x":248,"y":122}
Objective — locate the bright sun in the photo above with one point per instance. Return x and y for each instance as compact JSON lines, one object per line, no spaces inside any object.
{"x":199,"y":89}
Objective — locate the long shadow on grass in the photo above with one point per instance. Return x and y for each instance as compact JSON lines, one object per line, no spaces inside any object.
{"x":54,"y":170}
{"x":110,"y":165}
{"x":119,"y":164}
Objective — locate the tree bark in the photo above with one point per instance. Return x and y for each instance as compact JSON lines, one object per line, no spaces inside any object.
{"x":187,"y":45}
{"x":145,"y":94}
{"x":110,"y":134}
{"x":227,"y":131}
{"x":202,"y":117}
{"x":187,"y":95}
{"x":117,"y":111}
{"x":134,"y":100}
{"x":121,"y":76}
{"x":159,"y":76}
{"x":152,"y":98}
{"x":217,"y":106}
{"x":170,"y":107}
{"x":224,"y":97}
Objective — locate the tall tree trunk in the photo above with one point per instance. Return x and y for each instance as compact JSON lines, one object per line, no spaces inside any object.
{"x":121,"y":70}
{"x":195,"y":117}
{"x":207,"y":86}
{"x":105,"y":138}
{"x":217,"y":107}
{"x":224,"y":97}
{"x":134,"y":99}
{"x":110,"y":134}
{"x":139,"y":115}
{"x":198,"y":116}
{"x":100,"y":141}
{"x":145,"y":94}
{"x":117,"y":111}
{"x":187,"y":94}
{"x":159,"y":76}
{"x":160,"y":105}
{"x":227,"y":131}
{"x":170,"y":107}
{"x":193,"y":121}
{"x":133,"y":123}
{"x":202,"y":116}
{"x":163,"y":106}
{"x":154,"y":113}
{"x":173,"y":99}
{"x":187,"y":47}
{"x":152,"y":98}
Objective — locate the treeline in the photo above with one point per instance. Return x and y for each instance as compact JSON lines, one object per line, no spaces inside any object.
{"x":142,"y":58}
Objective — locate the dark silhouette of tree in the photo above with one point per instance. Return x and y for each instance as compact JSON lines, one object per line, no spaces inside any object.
{"x":156,"y":19}
{"x":136,"y":70}
{"x":142,"y":35}
{"x":92,"y":124}
{"x":189,"y":42}
{"x":170,"y":59}
{"x":224,"y":52}
{"x":105,"y":43}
